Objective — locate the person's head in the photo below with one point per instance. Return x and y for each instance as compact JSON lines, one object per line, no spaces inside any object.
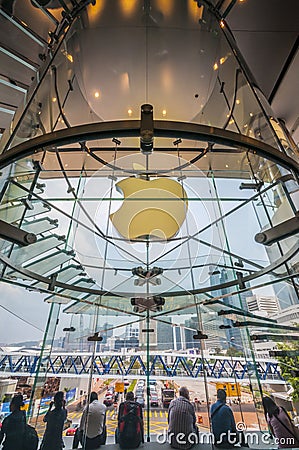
{"x":221,"y":395}
{"x":59,"y":400}
{"x":184,"y":392}
{"x":16,"y":402}
{"x":93,"y":396}
{"x":270,"y":406}
{"x":130,"y":396}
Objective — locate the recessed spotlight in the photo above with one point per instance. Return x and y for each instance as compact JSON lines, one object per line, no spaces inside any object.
{"x":238,"y":102}
{"x":215,"y":66}
{"x":164,"y":112}
{"x":130,"y":112}
{"x":54,"y":99}
{"x":97,"y":94}
{"x":251,"y":114}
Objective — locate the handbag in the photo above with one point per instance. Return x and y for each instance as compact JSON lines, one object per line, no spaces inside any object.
{"x":77,"y":438}
{"x":103,"y":436}
{"x":293,"y":430}
{"x":30,"y":437}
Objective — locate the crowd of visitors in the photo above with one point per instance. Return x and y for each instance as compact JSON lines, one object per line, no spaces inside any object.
{"x":183,"y":432}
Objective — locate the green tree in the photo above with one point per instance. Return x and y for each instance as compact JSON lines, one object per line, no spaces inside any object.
{"x":289,"y":366}
{"x":233,"y":351}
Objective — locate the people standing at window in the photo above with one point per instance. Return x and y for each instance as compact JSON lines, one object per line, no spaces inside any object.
{"x":13,"y":426}
{"x":182,"y":429}
{"x":54,"y":419}
{"x":92,"y":429}
{"x":284,"y":431}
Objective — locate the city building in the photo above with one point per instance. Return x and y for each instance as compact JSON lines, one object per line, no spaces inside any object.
{"x":263,"y":304}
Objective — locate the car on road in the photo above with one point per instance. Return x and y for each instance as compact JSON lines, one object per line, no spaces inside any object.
{"x":72,"y":429}
{"x":154,"y":401}
{"x":141,"y":401}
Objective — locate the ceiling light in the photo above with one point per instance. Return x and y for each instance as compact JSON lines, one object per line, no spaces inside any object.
{"x":215,"y":66}
{"x":251,"y":114}
{"x":164,"y":112}
{"x":238,"y":102}
{"x":130,"y":112}
{"x":54,"y":99}
{"x":97,"y":94}
{"x":222,"y":24}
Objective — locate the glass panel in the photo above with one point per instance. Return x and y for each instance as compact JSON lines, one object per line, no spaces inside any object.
{"x":46,"y":266}
{"x":39,"y":226}
{"x":24,"y":254}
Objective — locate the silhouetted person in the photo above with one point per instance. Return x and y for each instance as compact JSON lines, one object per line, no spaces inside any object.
{"x":13,"y":426}
{"x":93,"y":424}
{"x":281,"y":426}
{"x":54,"y":419}
{"x":182,"y":429}
{"x":224,"y":425}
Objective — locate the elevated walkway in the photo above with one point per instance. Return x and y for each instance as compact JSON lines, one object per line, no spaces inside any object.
{"x":114,"y":364}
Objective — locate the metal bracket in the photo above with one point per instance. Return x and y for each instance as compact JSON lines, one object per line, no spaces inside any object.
{"x":146,"y":129}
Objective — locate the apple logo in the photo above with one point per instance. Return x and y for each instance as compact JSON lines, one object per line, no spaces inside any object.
{"x":154,"y":208}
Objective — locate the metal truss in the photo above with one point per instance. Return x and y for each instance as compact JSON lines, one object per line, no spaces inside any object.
{"x":166,"y":365}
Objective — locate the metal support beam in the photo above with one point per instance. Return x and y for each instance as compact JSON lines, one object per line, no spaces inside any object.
{"x":13,"y":86}
{"x":18,"y":58}
{"x":7,"y":111}
{"x":24,"y":28}
{"x":14,"y":234}
{"x":277,"y":233}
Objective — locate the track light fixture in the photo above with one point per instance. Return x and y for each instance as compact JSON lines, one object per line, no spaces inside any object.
{"x":141,"y":304}
{"x":69,"y":329}
{"x":200,"y":335}
{"x":95,"y":338}
{"x":147,"y":275}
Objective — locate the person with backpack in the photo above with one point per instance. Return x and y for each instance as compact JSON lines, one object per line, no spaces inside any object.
{"x":283,"y":429}
{"x":54,"y":419}
{"x":129,"y":433}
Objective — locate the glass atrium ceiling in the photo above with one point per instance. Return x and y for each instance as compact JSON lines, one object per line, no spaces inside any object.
{"x":129,"y":207}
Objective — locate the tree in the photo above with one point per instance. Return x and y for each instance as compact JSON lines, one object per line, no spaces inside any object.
{"x":289,"y":365}
{"x":233,"y":351}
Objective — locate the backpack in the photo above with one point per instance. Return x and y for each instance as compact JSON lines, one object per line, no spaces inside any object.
{"x":30,"y":438}
{"x":130,"y":426}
